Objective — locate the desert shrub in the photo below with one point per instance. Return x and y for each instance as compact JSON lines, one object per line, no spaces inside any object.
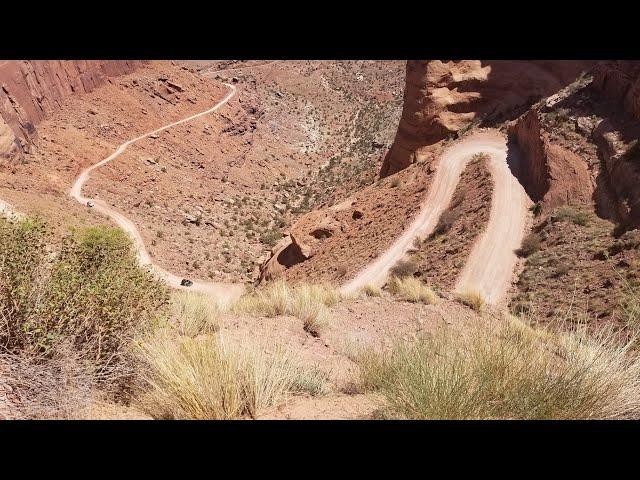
{"x":530,"y":245}
{"x":445,"y":222}
{"x":47,"y":388}
{"x":92,"y":294}
{"x":23,"y":272}
{"x":505,"y":370}
{"x":404,"y":268}
{"x":411,"y":289}
{"x":314,"y":315}
{"x":210,"y":378}
{"x":536,"y":209}
{"x":395,"y":182}
{"x":562,"y":269}
{"x":471,"y":299}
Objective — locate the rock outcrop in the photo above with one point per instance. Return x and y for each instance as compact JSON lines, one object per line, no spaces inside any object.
{"x":443,"y":97}
{"x":551,"y":174}
{"x":301,"y":242}
{"x":32,"y":89}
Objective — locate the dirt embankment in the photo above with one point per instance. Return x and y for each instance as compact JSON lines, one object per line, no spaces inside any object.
{"x":441,"y":257}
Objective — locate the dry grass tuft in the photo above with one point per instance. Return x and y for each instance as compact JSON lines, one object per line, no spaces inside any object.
{"x":471,"y":299}
{"x":412,"y":289}
{"x":506,"y":370}
{"x":210,"y":378}
{"x":196,"y":313}
{"x":307,"y":302}
{"x":370,"y":291}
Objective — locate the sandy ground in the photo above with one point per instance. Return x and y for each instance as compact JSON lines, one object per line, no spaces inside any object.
{"x":221,"y":291}
{"x":490,"y":265}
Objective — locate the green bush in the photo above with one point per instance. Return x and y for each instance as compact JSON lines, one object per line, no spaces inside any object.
{"x":91,"y":294}
{"x":270,"y":238}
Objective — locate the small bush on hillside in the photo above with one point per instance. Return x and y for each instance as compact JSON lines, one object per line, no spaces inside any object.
{"x":505,"y":370}
{"x":530,"y":245}
{"x":536,"y":209}
{"x":395,"y":182}
{"x":270,"y":238}
{"x":404,"y":268}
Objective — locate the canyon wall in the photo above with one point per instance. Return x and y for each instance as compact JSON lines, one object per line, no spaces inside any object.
{"x":551,"y":174}
{"x":617,"y":137}
{"x":443,"y":97}
{"x":32,"y":89}
{"x":619,"y":81}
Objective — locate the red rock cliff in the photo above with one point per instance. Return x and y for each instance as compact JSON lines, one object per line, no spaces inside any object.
{"x":441,"y":97}
{"x":32,"y":89}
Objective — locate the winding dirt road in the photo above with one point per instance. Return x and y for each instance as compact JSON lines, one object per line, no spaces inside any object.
{"x":224,"y":292}
{"x":208,"y":72}
{"x":489,"y":268}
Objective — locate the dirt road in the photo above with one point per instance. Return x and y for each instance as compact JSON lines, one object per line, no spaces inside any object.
{"x":489,"y":267}
{"x":224,"y":292}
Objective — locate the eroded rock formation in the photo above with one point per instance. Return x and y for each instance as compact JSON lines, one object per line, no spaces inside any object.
{"x":551,"y":174}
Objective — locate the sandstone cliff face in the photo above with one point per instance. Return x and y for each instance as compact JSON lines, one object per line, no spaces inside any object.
{"x":617,"y":137}
{"x":551,"y":174}
{"x":442,"y":97}
{"x":619,"y":81}
{"x":621,"y":161}
{"x":32,"y":89}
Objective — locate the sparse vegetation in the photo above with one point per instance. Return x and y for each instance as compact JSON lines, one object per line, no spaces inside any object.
{"x":370,"y":291}
{"x":570,"y":214}
{"x":411,"y":289}
{"x":504,"y":369}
